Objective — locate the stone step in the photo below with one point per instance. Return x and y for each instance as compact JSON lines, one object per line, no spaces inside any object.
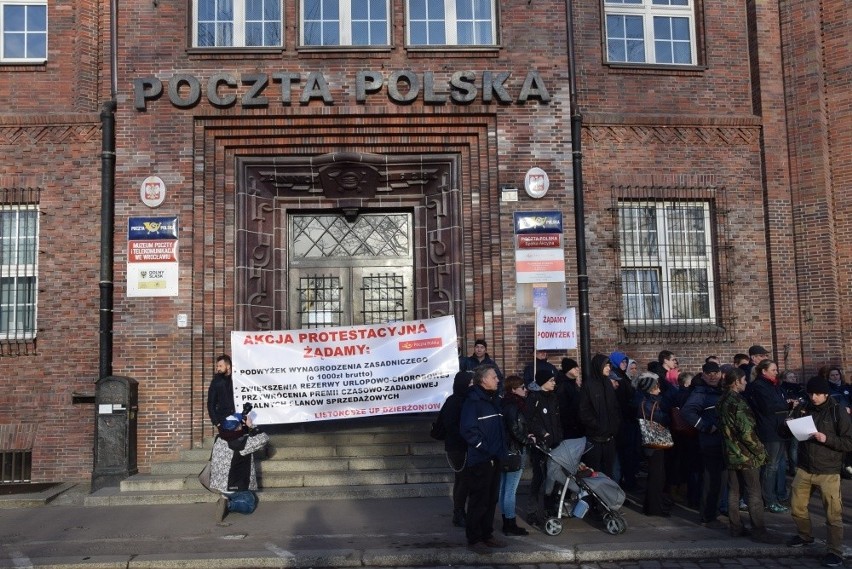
{"x":296,"y":479}
{"x":186,"y":467}
{"x":114,"y":497}
{"x":276,"y":451}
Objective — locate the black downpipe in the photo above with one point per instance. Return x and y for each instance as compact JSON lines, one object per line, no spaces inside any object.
{"x":579,"y":213}
{"x":107,"y":231}
{"x":105,"y":330}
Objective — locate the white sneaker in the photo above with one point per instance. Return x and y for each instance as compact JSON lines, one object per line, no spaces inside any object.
{"x":848,"y":469}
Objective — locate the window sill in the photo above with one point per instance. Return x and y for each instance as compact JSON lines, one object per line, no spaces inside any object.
{"x":445,"y":51}
{"x":655,"y":69}
{"x":235,"y":52}
{"x":22,"y":66}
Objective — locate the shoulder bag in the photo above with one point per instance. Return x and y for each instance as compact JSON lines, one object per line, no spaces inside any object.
{"x":654,"y":435}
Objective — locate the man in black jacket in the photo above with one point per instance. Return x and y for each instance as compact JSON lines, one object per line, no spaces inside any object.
{"x":454,"y":445}
{"x":220,"y":395}
{"x":600,"y":415}
{"x":820,"y":459}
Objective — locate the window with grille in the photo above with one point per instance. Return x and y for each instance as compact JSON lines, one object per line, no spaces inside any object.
{"x":345,"y":22}
{"x":237,"y":23}
{"x":383,"y":298}
{"x":666,"y":253}
{"x":18,"y":270}
{"x":23,"y":24}
{"x":320,"y":301}
{"x":651,"y":31}
{"x":452,"y":22}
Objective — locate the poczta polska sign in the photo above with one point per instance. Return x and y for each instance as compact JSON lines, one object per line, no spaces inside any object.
{"x":259,"y":90}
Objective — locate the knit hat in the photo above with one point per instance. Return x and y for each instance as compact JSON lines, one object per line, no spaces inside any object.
{"x":646,"y":381}
{"x":818,"y":385}
{"x":711,"y":367}
{"x":542,"y":376}
{"x":568,"y":364}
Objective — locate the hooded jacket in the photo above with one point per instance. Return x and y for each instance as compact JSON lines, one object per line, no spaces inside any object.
{"x":831,"y":419}
{"x":450,"y":413}
{"x":741,"y":445}
{"x":482,"y":426}
{"x":599,"y":410}
{"x":515,"y":416}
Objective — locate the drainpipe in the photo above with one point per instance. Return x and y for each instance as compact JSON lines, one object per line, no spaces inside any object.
{"x":105,"y":330}
{"x":579,"y":215}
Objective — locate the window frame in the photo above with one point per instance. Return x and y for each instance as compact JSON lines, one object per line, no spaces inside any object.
{"x":11,"y":332}
{"x":647,"y":11}
{"x":239,"y":23}
{"x":451,"y":20}
{"x":344,"y":27}
{"x":665,"y":263}
{"x":26,"y":32}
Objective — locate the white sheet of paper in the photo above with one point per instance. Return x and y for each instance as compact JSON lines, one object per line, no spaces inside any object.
{"x":802,"y":428}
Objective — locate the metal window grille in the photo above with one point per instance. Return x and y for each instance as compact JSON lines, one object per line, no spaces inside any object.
{"x":19,"y":233}
{"x":672,"y":245}
{"x":16,"y":459}
{"x":383,"y":298}
{"x":320,"y":301}
{"x":15,"y":466}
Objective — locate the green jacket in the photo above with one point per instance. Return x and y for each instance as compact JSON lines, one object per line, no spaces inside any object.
{"x":742,"y":449}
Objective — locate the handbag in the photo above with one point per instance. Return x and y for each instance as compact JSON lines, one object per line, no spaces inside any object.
{"x":681,"y":426}
{"x":438,"y":431}
{"x":204,"y":475}
{"x":654,"y":435}
{"x":512,"y":461}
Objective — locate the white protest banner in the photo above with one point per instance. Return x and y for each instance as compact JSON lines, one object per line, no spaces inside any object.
{"x":556,"y":329}
{"x":298,"y":376}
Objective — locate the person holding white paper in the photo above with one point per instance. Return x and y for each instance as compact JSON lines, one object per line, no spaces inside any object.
{"x":820,"y":459}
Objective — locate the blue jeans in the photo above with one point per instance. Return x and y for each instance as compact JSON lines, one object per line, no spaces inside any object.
{"x":769,"y":476}
{"x":509,"y":482}
{"x":243,"y":501}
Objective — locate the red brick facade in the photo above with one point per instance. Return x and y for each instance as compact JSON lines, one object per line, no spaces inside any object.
{"x":766,"y":143}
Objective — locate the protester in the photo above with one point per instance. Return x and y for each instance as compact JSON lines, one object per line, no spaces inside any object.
{"x":568,"y":383}
{"x":820,"y":459}
{"x":651,"y":407}
{"x":454,"y":445}
{"x":515,"y":416}
{"x":744,"y":455}
{"x":233,"y":471}
{"x":540,"y":363}
{"x":546,"y":428}
{"x":770,"y":410}
{"x":220,"y":394}
{"x":483,"y":429}
{"x":700,"y":411}
{"x":480,"y":357}
{"x":600,"y":416}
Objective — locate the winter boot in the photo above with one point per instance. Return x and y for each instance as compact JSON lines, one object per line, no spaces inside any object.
{"x":510,"y":527}
{"x":458,"y":518}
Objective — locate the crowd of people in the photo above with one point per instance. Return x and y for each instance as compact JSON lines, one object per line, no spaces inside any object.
{"x":731,"y":453}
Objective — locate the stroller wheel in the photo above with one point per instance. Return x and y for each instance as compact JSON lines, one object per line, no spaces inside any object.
{"x":615,"y":524}
{"x":553,"y":526}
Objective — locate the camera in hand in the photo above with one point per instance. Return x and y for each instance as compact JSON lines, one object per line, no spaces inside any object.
{"x":247,"y":407}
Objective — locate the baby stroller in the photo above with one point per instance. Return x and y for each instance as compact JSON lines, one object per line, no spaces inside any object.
{"x":579,"y":489}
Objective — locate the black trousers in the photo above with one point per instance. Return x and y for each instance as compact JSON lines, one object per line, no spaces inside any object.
{"x":655,"y":482}
{"x":483,"y":483}
{"x":711,"y":485}
{"x":601,"y":457}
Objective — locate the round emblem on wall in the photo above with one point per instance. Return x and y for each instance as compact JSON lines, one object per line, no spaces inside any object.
{"x":153,"y":191}
{"x":536,"y":183}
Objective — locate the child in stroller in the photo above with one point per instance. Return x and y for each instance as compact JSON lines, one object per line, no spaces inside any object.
{"x":579,"y":488}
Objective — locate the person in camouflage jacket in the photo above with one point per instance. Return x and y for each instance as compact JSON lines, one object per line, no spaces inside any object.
{"x":744,"y":455}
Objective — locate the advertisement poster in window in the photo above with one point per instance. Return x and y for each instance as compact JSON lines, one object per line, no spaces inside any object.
{"x":152,"y":256}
